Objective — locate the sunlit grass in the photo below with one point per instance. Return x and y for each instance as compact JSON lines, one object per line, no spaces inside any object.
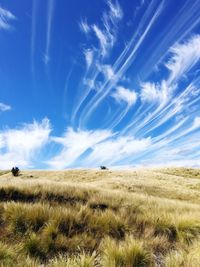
{"x":130,"y":252}
{"x":108,"y":219}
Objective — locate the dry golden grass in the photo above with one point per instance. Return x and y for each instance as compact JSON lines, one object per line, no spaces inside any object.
{"x":91,"y":218}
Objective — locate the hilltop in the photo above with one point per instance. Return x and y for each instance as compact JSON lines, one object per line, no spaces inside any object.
{"x":141,"y":217}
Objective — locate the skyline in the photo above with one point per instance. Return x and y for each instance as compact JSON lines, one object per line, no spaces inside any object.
{"x":112,"y":83}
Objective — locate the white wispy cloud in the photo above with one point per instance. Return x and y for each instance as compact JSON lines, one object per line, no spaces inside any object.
{"x":128,"y":55}
{"x":106,"y":34}
{"x":112,"y":151}
{"x":189,"y":130}
{"x":152,"y":92}
{"x":20,"y":146}
{"x":102,"y":38}
{"x":184,"y":56}
{"x":167,"y":162}
{"x":108,"y":72}
{"x":89,"y":55}
{"x":5,"y":18}
{"x":75,"y":143}
{"x":175,"y":30}
{"x":84,"y":26}
{"x":4,"y":107}
{"x":125,"y":59}
{"x":46,"y":57}
{"x":116,"y":11}
{"x":196,"y":123}
{"x":178,"y":143}
{"x":89,"y":83}
{"x":172,"y":105}
{"x":122,"y":94}
{"x":176,"y":150}
{"x":104,"y":147}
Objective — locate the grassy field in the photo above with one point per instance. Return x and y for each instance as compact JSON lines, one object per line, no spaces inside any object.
{"x":88,"y":218}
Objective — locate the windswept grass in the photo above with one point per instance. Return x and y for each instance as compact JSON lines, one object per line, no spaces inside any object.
{"x":108,"y":219}
{"x":6,"y":254}
{"x":189,"y":257}
{"x":182,"y":172}
{"x":83,"y":260}
{"x":130,"y":252}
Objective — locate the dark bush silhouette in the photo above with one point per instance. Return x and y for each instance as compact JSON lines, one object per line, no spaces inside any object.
{"x":15,"y":171}
{"x":103,"y":168}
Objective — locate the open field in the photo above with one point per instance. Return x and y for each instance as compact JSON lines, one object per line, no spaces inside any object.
{"x":87,"y":218}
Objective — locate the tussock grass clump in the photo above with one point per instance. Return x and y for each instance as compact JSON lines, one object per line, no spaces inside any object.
{"x":175,"y":259}
{"x":27,"y":262}
{"x":72,"y":245}
{"x":22,"y":217}
{"x":189,"y":257}
{"x":104,"y":202}
{"x":188,"y":229}
{"x":130,"y":252}
{"x":33,"y":247}
{"x":167,"y":229}
{"x":192,"y":257}
{"x":82,"y":260}
{"x":73,"y":221}
{"x":178,"y":228}
{"x":159,"y":245}
{"x":108,"y":223}
{"x":7,"y":254}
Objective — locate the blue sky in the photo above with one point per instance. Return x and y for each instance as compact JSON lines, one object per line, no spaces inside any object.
{"x":104,"y":82}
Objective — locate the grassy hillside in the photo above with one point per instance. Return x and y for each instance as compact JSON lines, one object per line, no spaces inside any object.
{"x":93,"y":218}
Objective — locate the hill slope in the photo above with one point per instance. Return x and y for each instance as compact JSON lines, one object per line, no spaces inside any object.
{"x":100,"y":218}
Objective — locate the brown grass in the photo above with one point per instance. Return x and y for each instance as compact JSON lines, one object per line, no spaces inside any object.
{"x":100,"y":218}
